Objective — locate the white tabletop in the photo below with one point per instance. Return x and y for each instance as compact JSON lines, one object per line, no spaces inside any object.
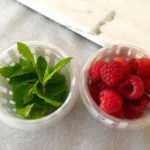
{"x":78,"y":130}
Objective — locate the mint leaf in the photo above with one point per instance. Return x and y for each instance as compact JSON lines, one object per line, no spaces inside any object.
{"x":29,"y":95}
{"x":58,"y":66}
{"x":52,"y":90}
{"x":38,"y":92}
{"x":57,"y":78}
{"x":20,"y":68}
{"x":25,"y":52}
{"x":42,"y":68}
{"x":26,"y":66}
{"x":61,"y":97}
{"x":25,"y":111}
{"x":23,"y":79}
{"x":10,"y":71}
{"x":19,"y":93}
{"x":40,"y":109}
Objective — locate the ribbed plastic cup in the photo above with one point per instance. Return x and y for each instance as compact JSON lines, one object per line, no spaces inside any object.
{"x":108,"y":54}
{"x":53,"y":54}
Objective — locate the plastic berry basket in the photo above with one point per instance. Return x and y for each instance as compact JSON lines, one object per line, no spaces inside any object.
{"x":109,"y":54}
{"x":53,"y":54}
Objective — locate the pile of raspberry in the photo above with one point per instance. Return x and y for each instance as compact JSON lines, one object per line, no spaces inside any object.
{"x":120,"y":88}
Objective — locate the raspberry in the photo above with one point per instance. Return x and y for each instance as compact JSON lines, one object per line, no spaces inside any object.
{"x":133,"y":65}
{"x":125,"y":64}
{"x":111,"y":101}
{"x":132,"y":87}
{"x":94,"y":93}
{"x":113,"y":73}
{"x":118,"y":114}
{"x":131,"y":114}
{"x":139,"y":105}
{"x":147,"y":86}
{"x":144,"y":68}
{"x":94,"y":71}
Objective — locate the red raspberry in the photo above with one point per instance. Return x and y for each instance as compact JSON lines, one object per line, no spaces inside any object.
{"x":94,"y":71}
{"x":132,"y":88}
{"x":147,"y":86}
{"x":113,"y":73}
{"x":118,"y":114}
{"x":94,"y":93}
{"x":111,"y":101}
{"x":144,"y":68}
{"x":138,"y":105}
{"x":133,"y":65}
{"x":125,"y":64}
{"x":131,"y":114}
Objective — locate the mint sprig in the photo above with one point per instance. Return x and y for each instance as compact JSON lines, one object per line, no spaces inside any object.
{"x":38,"y":88}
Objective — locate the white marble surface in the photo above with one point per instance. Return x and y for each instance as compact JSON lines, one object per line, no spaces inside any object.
{"x":78,"y":130}
{"x":122,"y":21}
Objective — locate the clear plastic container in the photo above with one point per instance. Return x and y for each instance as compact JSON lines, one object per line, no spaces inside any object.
{"x":52,"y":54}
{"x":109,"y":54}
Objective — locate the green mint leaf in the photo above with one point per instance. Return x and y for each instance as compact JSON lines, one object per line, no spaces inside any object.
{"x":25,"y":111}
{"x":26,"y":66}
{"x":23,"y":79}
{"x":20,"y":68}
{"x":57,"y":78}
{"x":42,"y":68}
{"x":52,"y":90}
{"x":58,"y":66}
{"x":47,"y":100}
{"x":40,"y":109}
{"x":29,"y":95}
{"x":61,"y":97}
{"x":19,"y":93}
{"x":25,"y":51}
{"x":10,"y":71}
